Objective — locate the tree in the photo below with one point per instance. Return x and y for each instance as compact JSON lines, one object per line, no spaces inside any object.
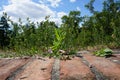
{"x":105,"y":23}
{"x":71,"y":27}
{"x":90,"y":6}
{"x":45,"y":32}
{"x":72,"y":22}
{"x":4,"y":39}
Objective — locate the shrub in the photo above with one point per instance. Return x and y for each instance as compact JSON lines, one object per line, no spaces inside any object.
{"x":104,"y":52}
{"x":57,"y":43}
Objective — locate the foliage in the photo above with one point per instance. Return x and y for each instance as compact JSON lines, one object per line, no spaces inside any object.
{"x":103,"y":25}
{"x":58,"y":40}
{"x":104,"y":52}
{"x":76,"y":31}
{"x":72,"y":52}
{"x":71,"y":27}
{"x":4,"y":39}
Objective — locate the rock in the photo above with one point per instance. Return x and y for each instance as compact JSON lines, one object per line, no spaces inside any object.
{"x":26,"y":57}
{"x":62,"y":51}
{"x":43,"y":69}
{"x":115,"y":60}
{"x":50,"y":51}
{"x":23,"y":77}
{"x":83,"y":52}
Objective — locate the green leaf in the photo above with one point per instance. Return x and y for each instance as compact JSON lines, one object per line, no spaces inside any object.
{"x":103,"y":52}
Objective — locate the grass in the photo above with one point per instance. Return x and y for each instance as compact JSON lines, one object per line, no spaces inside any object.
{"x":102,"y":51}
{"x":35,"y":51}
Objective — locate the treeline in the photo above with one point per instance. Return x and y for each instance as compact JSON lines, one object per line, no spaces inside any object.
{"x":102,"y":28}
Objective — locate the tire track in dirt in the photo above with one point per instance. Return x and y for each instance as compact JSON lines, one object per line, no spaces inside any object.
{"x":108,"y":69}
{"x":75,"y":69}
{"x":98,"y":75}
{"x":39,"y":69}
{"x":19,"y":70}
{"x":10,"y":66}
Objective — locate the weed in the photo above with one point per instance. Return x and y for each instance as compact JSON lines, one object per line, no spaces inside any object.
{"x":103,"y":52}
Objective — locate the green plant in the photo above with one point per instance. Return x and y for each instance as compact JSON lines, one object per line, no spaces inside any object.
{"x":57,"y":43}
{"x":104,"y":52}
{"x":72,"y":52}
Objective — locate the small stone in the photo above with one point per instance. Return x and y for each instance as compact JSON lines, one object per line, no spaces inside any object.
{"x":115,"y":60}
{"x":23,"y":77}
{"x":62,"y":51}
{"x":90,"y":65}
{"x":26,"y":57}
{"x":50,"y":51}
{"x":43,"y":69}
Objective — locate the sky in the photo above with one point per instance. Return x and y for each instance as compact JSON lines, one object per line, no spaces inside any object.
{"x":36,"y":10}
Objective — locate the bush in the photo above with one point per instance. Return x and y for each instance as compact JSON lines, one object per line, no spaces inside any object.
{"x":104,"y":52}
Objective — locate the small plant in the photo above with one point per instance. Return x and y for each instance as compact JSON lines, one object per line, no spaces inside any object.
{"x":2,"y":56}
{"x":57,"y":43}
{"x":72,"y":52}
{"x":104,"y":52}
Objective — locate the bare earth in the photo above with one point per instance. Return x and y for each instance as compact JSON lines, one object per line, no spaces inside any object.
{"x":84,"y":67}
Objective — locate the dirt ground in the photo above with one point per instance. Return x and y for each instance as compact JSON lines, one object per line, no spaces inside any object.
{"x":83,"y":67}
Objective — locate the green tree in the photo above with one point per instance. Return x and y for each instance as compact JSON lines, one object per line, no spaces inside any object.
{"x":45,"y":32}
{"x":4,"y":29}
{"x":105,"y":23}
{"x":71,"y":27}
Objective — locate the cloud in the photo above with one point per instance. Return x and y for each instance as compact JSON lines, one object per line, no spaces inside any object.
{"x":41,"y":1}
{"x":58,"y":17}
{"x":27,"y":8}
{"x":60,"y":14}
{"x":72,"y":1}
{"x":35,"y":11}
{"x":54,"y":3}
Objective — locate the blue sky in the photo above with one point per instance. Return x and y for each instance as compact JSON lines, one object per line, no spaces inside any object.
{"x":36,"y":10}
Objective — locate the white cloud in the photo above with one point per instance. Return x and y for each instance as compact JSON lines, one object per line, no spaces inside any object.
{"x":58,"y":17}
{"x":60,"y":14}
{"x":27,"y":8}
{"x":35,"y":11}
{"x":41,"y":1}
{"x":72,"y":1}
{"x":54,"y":3}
